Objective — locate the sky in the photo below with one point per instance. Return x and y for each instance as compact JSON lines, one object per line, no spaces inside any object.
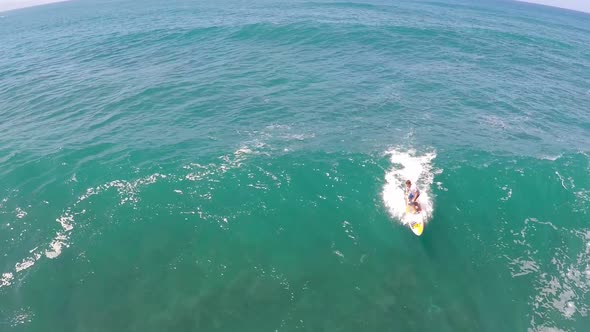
{"x":15,"y":4}
{"x":580,"y":5}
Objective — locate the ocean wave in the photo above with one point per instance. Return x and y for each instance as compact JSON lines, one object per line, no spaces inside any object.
{"x":127,"y":191}
{"x":326,"y":33}
{"x":561,"y":284}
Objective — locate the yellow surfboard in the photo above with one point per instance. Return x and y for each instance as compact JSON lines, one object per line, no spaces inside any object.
{"x":416,"y":224}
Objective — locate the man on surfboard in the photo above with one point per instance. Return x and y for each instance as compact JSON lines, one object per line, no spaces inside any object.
{"x":412,"y":194}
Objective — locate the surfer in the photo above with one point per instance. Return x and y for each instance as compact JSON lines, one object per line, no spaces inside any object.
{"x":412,"y":194}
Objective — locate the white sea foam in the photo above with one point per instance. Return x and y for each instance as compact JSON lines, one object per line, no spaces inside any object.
{"x":66,"y":222}
{"x":243,"y":150}
{"x":408,"y":165}
{"x":59,"y":241}
{"x":20,"y":213}
{"x":550,"y":157}
{"x":546,"y":329}
{"x":6,"y":279}
{"x":126,"y":190}
{"x":228,"y":162}
{"x":349,"y":231}
{"x":562,"y":284}
{"x":508,"y":193}
{"x":27,"y":263}
{"x":22,"y":316}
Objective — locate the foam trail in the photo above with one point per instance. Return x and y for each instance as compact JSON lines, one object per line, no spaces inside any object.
{"x":408,"y":165}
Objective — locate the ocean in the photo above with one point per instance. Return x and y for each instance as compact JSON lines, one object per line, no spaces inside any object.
{"x":239,"y":166}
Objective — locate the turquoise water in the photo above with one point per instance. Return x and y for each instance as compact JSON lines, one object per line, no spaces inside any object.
{"x":237,"y":166}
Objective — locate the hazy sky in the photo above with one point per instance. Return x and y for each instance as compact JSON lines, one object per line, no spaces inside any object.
{"x":581,"y":5}
{"x":14,"y":4}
